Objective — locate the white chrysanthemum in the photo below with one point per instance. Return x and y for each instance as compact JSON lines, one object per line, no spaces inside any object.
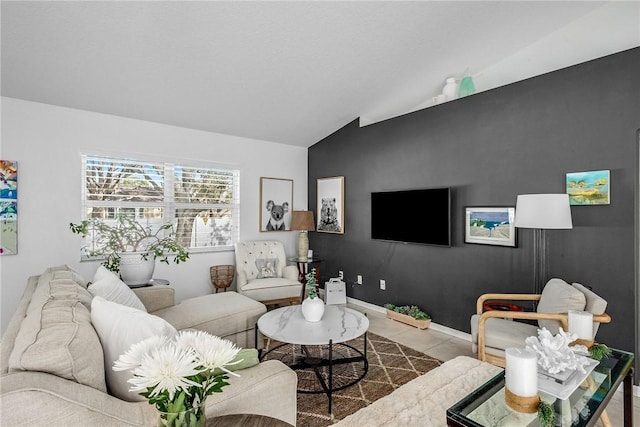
{"x":187,"y":339}
{"x":133,"y":357}
{"x":165,"y":368}
{"x":214,"y":352}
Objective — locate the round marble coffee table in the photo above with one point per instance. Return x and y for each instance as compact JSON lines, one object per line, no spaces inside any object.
{"x":318,"y":351}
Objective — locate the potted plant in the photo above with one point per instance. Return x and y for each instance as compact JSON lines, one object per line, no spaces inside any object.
{"x":409,"y":314}
{"x":127,"y":245}
{"x":313,"y":306}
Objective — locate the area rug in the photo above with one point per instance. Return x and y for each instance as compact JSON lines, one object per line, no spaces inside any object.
{"x":390,"y":366}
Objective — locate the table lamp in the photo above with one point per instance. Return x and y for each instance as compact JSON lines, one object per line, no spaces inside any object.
{"x":302,"y":221}
{"x":542,"y":212}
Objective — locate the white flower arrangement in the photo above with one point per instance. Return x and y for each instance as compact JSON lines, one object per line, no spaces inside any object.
{"x":178,"y":374}
{"x":554,"y":353}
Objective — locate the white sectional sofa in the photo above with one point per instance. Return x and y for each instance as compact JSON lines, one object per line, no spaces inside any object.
{"x":52,"y":367}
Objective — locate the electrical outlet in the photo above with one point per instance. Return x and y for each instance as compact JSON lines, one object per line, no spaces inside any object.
{"x":340,"y":274}
{"x":359,"y":279}
{"x":383,"y":285}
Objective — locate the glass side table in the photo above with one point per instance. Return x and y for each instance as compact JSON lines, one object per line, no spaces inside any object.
{"x":305,"y":265}
{"x":486,"y":405}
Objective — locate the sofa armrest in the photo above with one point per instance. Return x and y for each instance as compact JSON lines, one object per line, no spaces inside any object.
{"x":241,"y":279}
{"x":268,"y":388}
{"x":156,"y":297}
{"x":31,"y":395}
{"x":290,"y":272}
{"x":504,"y":297}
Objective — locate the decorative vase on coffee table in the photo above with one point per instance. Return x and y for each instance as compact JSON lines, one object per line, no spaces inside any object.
{"x":312,"y":309}
{"x":194,"y":417}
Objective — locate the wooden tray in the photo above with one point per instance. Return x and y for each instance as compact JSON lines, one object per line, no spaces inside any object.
{"x":404,"y":318}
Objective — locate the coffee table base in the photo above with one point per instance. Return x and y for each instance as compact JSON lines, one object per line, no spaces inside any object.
{"x":323,"y":368}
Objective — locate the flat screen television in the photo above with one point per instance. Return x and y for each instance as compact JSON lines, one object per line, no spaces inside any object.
{"x":412,"y":216}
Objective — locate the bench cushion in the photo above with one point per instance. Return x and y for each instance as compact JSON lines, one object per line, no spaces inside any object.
{"x":424,"y":401}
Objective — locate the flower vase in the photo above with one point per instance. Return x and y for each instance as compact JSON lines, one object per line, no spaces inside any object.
{"x":312,"y":309}
{"x":193,"y":417}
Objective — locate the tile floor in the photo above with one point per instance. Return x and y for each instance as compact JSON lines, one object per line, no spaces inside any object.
{"x":444,"y":347}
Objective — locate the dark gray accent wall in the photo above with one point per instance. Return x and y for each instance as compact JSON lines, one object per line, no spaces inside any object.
{"x":490,"y":147}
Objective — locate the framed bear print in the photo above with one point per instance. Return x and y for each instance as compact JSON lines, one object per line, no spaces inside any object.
{"x":276,"y":202}
{"x":330,"y":205}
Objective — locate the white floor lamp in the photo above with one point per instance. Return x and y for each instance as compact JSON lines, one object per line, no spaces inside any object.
{"x":542,"y":212}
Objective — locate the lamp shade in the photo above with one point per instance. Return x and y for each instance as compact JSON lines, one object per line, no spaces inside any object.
{"x":302,"y":221}
{"x":544,"y":211}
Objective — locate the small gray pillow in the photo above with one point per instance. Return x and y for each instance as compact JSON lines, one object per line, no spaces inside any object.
{"x":267,"y":267}
{"x":559,"y":297}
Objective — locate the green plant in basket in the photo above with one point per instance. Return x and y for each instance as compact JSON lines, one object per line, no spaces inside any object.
{"x":409,"y":310}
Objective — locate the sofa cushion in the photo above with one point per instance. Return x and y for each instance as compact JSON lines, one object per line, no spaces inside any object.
{"x":57,"y":337}
{"x":59,"y":282}
{"x":119,"y":327}
{"x":108,"y":285}
{"x":502,"y":333}
{"x":559,"y":297}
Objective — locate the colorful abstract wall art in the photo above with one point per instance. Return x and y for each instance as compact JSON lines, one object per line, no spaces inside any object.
{"x":588,"y":188}
{"x":8,"y":207}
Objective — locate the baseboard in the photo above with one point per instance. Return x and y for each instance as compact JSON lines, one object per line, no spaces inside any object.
{"x":446,"y":330}
{"x":434,"y":326}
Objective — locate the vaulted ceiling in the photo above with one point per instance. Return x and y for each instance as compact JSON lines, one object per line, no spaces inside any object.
{"x":290,"y":72}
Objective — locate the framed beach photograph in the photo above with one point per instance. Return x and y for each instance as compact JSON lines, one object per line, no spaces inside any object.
{"x":276,"y":203}
{"x":490,"y":225}
{"x":589,"y":188}
{"x":330,"y":205}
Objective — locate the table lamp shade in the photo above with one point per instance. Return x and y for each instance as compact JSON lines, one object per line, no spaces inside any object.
{"x":302,"y":221}
{"x":543,"y":211}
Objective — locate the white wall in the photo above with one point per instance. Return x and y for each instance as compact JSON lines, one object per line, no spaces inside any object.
{"x":46,"y":141}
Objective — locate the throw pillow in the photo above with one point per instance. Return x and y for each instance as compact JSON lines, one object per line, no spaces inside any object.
{"x":119,"y":327}
{"x":108,"y":285}
{"x":267,"y":267}
{"x":246,"y":358}
{"x":102,"y":273}
{"x":559,"y":297}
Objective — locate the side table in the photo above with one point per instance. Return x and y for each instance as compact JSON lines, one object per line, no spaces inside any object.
{"x":305,"y":265}
{"x":581,"y":409}
{"x":246,"y":420}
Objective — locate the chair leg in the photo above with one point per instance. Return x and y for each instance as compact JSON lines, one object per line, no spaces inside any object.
{"x":604,"y":419}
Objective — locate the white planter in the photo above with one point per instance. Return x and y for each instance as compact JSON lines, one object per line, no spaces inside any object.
{"x":312,"y":309}
{"x":134,"y":269}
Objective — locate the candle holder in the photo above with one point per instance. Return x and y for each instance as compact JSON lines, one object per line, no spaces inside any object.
{"x":586,"y":343}
{"x":526,"y":405}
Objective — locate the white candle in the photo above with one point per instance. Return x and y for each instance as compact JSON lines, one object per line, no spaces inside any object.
{"x":521,"y":372}
{"x":581,"y":324}
{"x":309,"y":253}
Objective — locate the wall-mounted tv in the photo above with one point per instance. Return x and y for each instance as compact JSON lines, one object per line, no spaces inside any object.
{"x":412,"y":216}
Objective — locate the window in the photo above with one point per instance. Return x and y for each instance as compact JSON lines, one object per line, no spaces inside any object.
{"x":202,"y":203}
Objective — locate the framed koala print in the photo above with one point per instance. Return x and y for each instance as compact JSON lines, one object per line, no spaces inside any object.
{"x":276,"y":203}
{"x":330,"y":205}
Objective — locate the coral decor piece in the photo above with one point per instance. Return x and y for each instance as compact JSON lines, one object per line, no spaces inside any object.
{"x":554,"y":353}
